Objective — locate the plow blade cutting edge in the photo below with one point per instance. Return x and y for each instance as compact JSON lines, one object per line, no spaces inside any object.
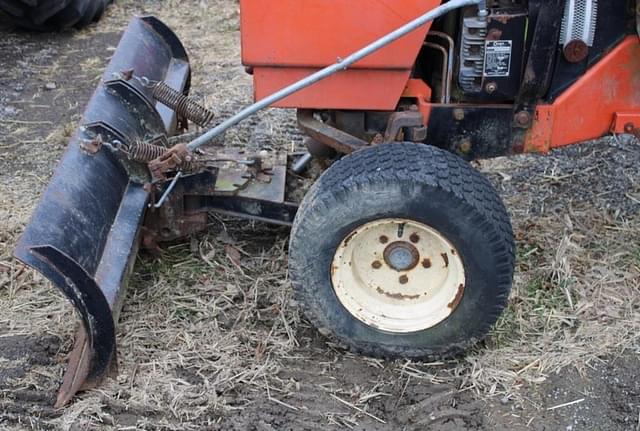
{"x":85,"y":231}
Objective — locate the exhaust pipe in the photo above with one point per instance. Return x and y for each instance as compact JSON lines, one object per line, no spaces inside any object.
{"x":85,"y":231}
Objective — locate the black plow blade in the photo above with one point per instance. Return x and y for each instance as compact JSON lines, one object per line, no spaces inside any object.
{"x":84,"y":233}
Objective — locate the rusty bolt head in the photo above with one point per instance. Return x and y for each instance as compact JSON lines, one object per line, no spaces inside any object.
{"x":523,"y":118}
{"x":384,"y":239}
{"x":91,"y":146}
{"x":466,"y":146}
{"x":403,"y":279}
{"x":126,"y":75}
{"x":378,"y":139}
{"x":458,"y":114}
{"x":414,"y":238}
{"x":376,"y":264}
{"x":426,"y":263}
{"x":576,"y":51}
{"x":491,"y":87}
{"x":494,"y":34}
{"x":518,"y":145}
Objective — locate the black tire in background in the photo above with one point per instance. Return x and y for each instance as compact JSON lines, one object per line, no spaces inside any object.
{"x":53,"y":15}
{"x":421,"y":184}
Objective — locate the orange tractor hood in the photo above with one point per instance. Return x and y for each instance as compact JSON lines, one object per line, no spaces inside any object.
{"x":286,"y":40}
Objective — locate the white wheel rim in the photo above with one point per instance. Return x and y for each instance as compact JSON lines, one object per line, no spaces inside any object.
{"x":398,"y":275}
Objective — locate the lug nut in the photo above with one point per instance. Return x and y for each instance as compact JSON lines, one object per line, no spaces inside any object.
{"x":384,"y":239}
{"x":523,"y":118}
{"x":376,"y":264}
{"x":404,"y":279}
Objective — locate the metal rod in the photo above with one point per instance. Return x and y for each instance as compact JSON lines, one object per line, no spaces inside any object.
{"x":302,"y":163}
{"x":167,"y":192}
{"x":342,"y":64}
{"x":452,"y":46}
{"x":445,"y":68}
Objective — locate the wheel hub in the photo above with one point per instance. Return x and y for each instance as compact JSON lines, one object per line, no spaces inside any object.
{"x":398,"y":275}
{"x":401,"y":256}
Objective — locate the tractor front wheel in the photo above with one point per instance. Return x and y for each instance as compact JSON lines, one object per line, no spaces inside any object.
{"x":402,"y":250}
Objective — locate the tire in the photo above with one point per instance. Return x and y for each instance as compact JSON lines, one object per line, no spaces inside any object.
{"x":465,"y":234}
{"x":53,"y":15}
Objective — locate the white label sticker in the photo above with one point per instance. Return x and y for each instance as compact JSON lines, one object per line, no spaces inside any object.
{"x":497,"y":58}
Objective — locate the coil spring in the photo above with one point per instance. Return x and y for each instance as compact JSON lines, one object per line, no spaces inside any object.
{"x":183,"y":105}
{"x":144,"y":152}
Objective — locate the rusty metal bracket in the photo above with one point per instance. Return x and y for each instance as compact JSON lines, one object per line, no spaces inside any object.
{"x":91,"y":146}
{"x":631,"y":129}
{"x":405,"y":120}
{"x":328,"y":135}
{"x":626,"y":122}
{"x":170,"y":161}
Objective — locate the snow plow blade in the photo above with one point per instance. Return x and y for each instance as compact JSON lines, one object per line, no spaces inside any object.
{"x":85,"y":231}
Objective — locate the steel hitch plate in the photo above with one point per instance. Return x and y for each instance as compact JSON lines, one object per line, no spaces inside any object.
{"x":84,"y":233}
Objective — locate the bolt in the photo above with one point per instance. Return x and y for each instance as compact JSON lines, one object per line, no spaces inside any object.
{"x":384,"y":239}
{"x":523,"y":118}
{"x":491,"y":87}
{"x":465,"y":146}
{"x":458,"y":114}
{"x":426,"y":263}
{"x":576,"y":51}
{"x":376,"y":264}
{"x":404,"y":279}
{"x":518,"y":145}
{"x":414,"y":238}
{"x":629,"y":127}
{"x":494,"y":34}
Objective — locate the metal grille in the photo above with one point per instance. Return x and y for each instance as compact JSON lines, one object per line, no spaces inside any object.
{"x":474,"y":35}
{"x":579,"y":22}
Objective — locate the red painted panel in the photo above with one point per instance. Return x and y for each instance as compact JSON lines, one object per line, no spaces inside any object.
{"x":285,"y":40}
{"x":587,"y":110}
{"x":352,"y":89}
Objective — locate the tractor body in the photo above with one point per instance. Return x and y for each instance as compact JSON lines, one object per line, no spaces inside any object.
{"x":512,"y":86}
{"x":528,"y":76}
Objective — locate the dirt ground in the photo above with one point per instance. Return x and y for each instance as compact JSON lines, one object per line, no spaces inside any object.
{"x":207,"y":344}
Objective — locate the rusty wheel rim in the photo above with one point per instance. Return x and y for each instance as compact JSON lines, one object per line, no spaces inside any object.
{"x":398,"y":275}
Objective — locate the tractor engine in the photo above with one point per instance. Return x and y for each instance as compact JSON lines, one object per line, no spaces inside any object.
{"x":491,"y":52}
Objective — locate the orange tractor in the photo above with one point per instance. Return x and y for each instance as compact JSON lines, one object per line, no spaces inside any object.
{"x":400,"y":248}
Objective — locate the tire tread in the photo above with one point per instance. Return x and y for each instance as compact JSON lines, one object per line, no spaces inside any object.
{"x":53,"y":15}
{"x":416,"y":163}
